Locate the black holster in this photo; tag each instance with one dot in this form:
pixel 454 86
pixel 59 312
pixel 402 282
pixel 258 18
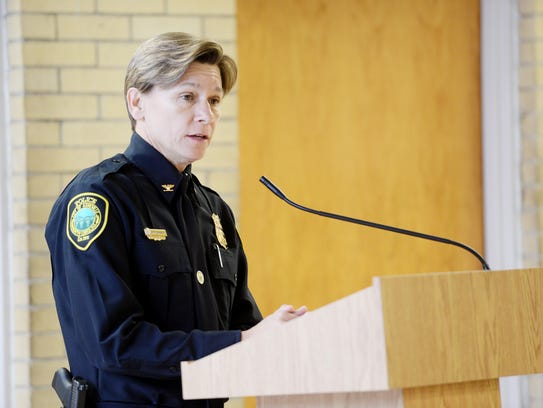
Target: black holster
pixel 72 391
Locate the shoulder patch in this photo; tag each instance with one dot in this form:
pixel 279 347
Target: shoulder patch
pixel 87 219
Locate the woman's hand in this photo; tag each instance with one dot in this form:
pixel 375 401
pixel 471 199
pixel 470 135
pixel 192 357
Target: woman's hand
pixel 280 316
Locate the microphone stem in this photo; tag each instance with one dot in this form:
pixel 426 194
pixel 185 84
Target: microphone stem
pixel 278 192
pixel 392 229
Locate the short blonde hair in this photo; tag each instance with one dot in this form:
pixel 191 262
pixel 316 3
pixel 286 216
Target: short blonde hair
pixel 162 61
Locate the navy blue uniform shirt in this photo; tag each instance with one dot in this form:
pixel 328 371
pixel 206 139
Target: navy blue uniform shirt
pixel 148 271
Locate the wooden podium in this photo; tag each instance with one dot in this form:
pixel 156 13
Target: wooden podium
pixel 427 340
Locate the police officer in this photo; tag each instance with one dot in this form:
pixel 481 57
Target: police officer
pixel 148 269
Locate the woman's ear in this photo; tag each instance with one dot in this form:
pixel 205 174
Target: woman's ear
pixel 134 102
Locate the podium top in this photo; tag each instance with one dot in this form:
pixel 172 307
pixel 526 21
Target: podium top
pixel 403 331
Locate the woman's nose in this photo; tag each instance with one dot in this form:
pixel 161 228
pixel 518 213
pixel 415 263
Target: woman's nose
pixel 204 113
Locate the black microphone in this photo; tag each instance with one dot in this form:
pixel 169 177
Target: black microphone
pixel 283 197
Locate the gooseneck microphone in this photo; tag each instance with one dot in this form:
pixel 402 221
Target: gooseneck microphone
pixel 283 197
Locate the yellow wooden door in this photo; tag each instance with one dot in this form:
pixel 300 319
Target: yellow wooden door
pixel 365 108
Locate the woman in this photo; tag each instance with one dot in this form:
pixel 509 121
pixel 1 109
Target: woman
pixel 148 268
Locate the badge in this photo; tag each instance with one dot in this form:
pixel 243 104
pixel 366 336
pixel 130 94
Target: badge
pixel 168 188
pixel 219 231
pixel 155 234
pixel 87 219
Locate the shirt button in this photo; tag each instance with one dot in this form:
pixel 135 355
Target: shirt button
pixel 200 277
pixel 161 268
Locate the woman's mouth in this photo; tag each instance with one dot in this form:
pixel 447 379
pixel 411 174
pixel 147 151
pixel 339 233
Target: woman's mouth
pixel 198 136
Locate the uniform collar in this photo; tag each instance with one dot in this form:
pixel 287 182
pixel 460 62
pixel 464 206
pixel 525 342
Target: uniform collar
pixel 157 168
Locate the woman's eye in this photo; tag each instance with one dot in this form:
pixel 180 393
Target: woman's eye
pixel 214 101
pixel 187 97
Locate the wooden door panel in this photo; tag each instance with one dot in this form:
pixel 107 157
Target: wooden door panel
pixel 366 108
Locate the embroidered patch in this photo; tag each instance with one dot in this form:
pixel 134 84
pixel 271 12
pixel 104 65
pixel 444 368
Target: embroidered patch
pixel 87 219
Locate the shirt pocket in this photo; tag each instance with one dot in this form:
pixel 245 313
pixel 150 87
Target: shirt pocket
pixel 224 271
pixel 163 282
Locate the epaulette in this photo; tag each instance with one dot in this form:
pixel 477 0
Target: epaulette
pixel 112 165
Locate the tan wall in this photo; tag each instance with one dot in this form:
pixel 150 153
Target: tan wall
pixel 531 115
pixel 66 71
pixel 531 110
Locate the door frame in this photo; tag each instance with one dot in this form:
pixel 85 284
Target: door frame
pixel 501 149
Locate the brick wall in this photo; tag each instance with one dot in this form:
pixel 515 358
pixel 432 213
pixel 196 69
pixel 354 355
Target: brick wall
pixel 67 60
pixel 531 111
